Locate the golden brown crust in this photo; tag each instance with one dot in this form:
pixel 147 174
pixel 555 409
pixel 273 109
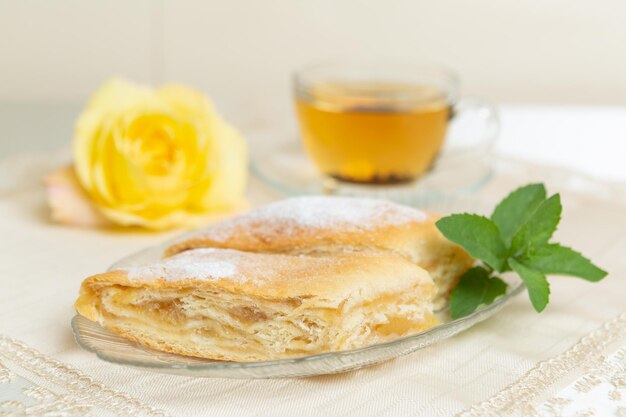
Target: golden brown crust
pixel 271 275
pixel 280 228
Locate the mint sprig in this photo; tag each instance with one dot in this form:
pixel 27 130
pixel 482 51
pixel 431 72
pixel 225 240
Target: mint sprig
pixel 476 288
pixel 515 238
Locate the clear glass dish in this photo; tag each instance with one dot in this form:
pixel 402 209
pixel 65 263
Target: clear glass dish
pixel 116 349
pixel 507 173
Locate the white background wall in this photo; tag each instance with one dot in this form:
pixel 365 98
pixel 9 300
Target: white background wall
pixel 241 52
pixel 557 51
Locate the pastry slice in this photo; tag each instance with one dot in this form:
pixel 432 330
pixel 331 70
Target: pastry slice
pixel 330 225
pixel 241 306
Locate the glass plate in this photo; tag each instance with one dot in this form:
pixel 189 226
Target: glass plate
pixel 114 348
pixel 507 173
pixel 283 165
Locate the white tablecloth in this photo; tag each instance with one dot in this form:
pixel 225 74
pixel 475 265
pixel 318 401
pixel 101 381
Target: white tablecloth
pixel 516 362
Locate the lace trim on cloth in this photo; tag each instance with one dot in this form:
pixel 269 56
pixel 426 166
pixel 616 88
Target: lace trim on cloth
pixel 601 392
pixel 32 384
pixel 601 374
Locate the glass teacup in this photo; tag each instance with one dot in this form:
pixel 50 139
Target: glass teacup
pixel 380 123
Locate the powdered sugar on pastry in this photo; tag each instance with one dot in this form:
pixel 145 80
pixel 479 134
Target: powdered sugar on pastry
pixel 202 264
pixel 322 212
pixel 267 271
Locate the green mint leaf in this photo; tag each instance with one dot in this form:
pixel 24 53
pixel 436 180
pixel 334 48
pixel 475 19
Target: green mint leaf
pixel 557 259
pixel 514 210
pixel 475 287
pixel 539 226
pixel 536 282
pixel 478 235
pixel 495 288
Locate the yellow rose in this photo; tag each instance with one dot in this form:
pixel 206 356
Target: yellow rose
pixel 157 158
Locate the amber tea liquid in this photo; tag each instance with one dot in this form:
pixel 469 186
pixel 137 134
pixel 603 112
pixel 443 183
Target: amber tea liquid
pixel 373 132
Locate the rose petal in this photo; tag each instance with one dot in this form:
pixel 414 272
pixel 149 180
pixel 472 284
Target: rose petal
pixel 69 204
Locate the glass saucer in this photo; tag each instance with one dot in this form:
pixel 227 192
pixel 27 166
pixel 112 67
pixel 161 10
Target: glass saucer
pixel 284 166
pixel 116 349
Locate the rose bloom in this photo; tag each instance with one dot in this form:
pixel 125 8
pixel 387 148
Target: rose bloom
pixel 157 158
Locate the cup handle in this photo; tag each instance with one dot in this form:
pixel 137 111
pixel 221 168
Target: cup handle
pixel 486 124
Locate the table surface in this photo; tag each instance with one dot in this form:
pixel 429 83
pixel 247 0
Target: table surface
pixel 42 265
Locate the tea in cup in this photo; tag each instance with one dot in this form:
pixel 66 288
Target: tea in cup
pixel 377 123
